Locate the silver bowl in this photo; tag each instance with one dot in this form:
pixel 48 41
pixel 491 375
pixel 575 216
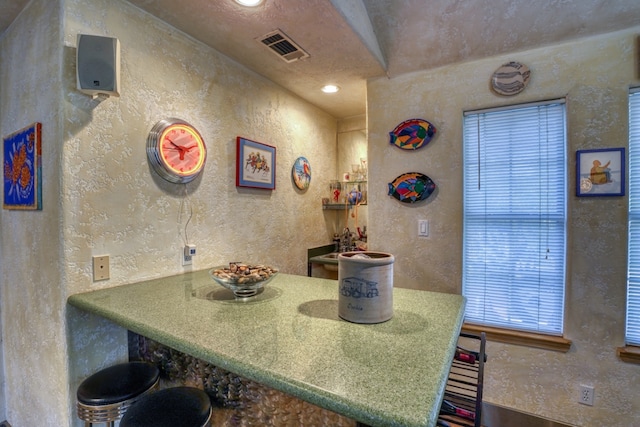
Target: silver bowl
pixel 243 279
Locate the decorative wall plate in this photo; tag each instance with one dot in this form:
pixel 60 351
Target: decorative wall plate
pixel 411 187
pixel 510 79
pixel 412 134
pixel 301 173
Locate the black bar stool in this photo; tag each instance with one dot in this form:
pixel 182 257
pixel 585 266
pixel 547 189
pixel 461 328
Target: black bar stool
pixel 106 395
pixel 171 407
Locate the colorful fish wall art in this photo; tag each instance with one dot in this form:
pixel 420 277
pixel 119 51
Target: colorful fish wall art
pixel 411 187
pixel 412 134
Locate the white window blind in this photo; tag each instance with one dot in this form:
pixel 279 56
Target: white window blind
pixel 515 217
pixel 633 265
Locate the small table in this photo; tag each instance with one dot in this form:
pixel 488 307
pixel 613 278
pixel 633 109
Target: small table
pixel 290 337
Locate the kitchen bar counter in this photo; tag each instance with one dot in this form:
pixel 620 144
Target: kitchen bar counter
pixel 290 338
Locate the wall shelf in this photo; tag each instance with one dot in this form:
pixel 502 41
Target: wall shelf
pixel 346 187
pixel 337 206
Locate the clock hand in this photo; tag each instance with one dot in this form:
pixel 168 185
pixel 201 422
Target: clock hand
pixel 174 144
pixel 181 149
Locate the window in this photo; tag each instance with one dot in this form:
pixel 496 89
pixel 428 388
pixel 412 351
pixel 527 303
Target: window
pixel 515 217
pixel 632 335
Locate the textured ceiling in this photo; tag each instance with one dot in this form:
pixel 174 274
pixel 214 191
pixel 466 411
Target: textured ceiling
pixel 352 40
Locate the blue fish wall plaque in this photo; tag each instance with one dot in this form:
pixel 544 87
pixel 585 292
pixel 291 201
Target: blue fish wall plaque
pixel 412 134
pixel 411 187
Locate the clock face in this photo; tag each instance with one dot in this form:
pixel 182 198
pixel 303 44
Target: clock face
pixel 176 150
pixel 182 148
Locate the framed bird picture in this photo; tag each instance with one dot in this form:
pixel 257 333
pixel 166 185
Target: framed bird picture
pixel 256 164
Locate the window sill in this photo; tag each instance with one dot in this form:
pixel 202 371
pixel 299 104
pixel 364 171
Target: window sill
pixel 528 339
pixel 629 354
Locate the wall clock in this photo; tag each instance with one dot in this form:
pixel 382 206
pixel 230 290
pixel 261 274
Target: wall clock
pixel 176 150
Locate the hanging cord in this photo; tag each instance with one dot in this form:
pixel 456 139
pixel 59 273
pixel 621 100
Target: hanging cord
pixel 479 154
pixel 346 208
pixel 185 203
pixel 547 181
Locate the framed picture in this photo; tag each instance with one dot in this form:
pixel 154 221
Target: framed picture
pixel 256 164
pixel 23 169
pixel 600 172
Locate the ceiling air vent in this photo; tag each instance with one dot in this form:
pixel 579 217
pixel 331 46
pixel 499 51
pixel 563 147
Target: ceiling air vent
pixel 283 46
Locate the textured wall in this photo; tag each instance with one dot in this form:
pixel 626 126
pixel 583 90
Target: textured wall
pixel 32 295
pixel 594 75
pixel 352 146
pixel 116 205
pixel 100 196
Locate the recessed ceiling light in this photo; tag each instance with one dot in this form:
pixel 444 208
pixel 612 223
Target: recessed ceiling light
pixel 330 88
pixel 249 3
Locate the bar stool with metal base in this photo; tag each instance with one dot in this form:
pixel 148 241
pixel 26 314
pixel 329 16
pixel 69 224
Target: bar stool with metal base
pixel 106 395
pixel 171 407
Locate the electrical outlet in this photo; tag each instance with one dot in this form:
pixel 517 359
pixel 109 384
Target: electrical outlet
pixel 100 268
pixel 188 254
pixel 586 395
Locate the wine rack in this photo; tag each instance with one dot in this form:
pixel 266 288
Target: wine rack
pixel 462 404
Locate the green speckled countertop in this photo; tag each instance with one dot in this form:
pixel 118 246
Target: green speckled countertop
pixel 290 338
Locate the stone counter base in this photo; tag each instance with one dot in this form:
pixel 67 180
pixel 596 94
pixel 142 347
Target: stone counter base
pixel 238 401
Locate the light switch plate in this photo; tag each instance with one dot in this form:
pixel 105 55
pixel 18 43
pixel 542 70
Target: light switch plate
pixel 423 228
